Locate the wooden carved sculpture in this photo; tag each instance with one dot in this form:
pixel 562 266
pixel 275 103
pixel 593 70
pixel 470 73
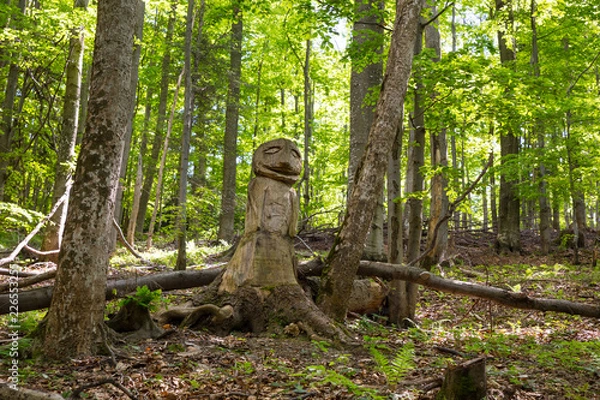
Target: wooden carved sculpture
pixel 265 255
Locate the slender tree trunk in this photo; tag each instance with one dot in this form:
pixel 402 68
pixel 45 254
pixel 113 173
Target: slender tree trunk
pixel 202 103
pixel 227 217
pixel 414 185
pixel 455 181
pixel 139 29
pixel 544 204
pixel 75 319
pixel 509 235
pixel 395 228
pixel 68 137
pixel 160 121
pixel 186 137
pixel 344 257
pixel 308 130
pixel 6 123
pixel 439 160
pixel 364 82
pixel 163 161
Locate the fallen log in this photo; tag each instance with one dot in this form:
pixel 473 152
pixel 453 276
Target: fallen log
pixel 37 299
pixel 40 298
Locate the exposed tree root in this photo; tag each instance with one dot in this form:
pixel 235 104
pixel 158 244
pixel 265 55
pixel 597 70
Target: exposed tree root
pixel 26 394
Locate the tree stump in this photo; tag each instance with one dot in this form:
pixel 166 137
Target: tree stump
pixel 135 322
pixel 466 381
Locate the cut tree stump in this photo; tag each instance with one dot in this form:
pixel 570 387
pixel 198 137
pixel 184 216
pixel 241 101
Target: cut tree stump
pixel 466 381
pixel 135 322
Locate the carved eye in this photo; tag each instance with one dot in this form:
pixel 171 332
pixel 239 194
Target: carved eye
pixel 296 153
pixel 273 150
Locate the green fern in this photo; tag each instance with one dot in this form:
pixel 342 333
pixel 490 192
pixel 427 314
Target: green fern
pixel 144 297
pixel 394 369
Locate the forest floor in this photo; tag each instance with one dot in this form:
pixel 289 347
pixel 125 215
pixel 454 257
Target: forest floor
pixel 530 355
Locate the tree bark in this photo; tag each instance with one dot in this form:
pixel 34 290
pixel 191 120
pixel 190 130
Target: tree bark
pixel 163 161
pixel 545 226
pixel 439 161
pixel 509 234
pixel 76 315
pixel 6 124
pixel 186 137
pixel 308 128
pixel 395 228
pixel 139 29
pixel 66 148
pixel 344 257
pixel 160 120
pixel 414 186
pixel 365 81
pixel 227 217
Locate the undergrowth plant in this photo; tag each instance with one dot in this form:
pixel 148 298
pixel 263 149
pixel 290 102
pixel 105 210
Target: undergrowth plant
pixel 145 298
pixel 397 367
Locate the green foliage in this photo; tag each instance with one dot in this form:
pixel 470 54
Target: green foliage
pixel 16 218
pixel 395 368
pixel 144 297
pixel 328 376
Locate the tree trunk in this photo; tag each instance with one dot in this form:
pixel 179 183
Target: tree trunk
pixel 160 121
pixel 186 137
pixel 308 127
pixel 6 127
pixel 545 227
pixel 227 217
pixel 414 185
pixel 139 29
pixel 76 316
pixel 365 81
pixel 66 148
pixel 439 161
pixel 395 228
pixel 509 234
pixel 344 257
pixel 163 161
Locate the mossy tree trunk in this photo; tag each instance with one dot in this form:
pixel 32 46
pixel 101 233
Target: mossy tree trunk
pixel 76 316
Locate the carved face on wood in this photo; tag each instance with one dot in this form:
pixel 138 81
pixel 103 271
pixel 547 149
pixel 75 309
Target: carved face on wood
pixel 278 159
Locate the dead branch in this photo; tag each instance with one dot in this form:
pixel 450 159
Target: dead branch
pixel 112 381
pixel 40 253
pixel 125 242
pixel 8 272
pixel 31 280
pixel 34 232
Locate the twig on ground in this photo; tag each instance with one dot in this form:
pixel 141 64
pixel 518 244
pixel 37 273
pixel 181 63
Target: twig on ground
pixel 112 381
